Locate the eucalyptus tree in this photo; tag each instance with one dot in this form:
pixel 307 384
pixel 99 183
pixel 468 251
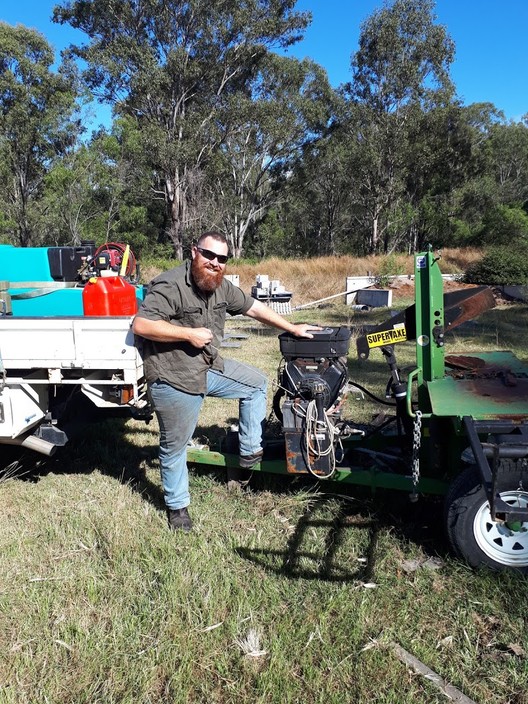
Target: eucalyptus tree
pixel 439 160
pixel 473 178
pixel 171 67
pixel 68 197
pixel 400 72
pixel 95 192
pixel 509 161
pixel 319 205
pixel 37 125
pixel 495 201
pixel 264 132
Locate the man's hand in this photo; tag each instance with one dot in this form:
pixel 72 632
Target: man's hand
pixel 199 337
pixel 302 330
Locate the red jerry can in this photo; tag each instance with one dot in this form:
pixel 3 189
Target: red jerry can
pixel 109 295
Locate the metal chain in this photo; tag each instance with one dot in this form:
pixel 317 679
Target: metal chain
pixel 415 463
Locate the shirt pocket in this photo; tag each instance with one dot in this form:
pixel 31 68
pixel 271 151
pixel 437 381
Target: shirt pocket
pixel 192 317
pixel 219 313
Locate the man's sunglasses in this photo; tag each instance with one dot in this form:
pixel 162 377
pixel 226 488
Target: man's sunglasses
pixel 222 258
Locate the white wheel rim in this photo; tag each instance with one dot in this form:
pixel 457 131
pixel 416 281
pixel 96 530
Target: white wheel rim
pixel 497 540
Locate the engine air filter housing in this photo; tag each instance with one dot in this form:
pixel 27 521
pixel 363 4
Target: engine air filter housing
pixel 328 342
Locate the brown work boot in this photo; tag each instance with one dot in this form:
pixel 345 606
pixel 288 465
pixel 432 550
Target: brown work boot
pixel 179 519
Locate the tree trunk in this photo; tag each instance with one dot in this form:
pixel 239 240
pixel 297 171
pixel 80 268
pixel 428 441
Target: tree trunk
pixel 176 206
pixel 374 241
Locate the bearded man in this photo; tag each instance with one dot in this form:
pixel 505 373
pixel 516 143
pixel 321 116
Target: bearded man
pixel 181 321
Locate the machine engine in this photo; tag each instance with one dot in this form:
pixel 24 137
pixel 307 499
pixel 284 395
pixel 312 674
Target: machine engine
pixel 313 377
pixel 85 261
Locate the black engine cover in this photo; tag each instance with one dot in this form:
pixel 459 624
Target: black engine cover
pixel 328 342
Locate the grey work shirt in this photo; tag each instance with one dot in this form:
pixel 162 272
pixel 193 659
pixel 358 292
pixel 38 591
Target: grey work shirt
pixel 174 297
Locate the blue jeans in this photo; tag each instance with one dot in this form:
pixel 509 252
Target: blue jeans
pixel 177 414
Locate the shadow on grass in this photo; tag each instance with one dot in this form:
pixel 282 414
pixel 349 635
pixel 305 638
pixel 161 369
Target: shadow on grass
pixel 113 447
pixel 299 560
pixel 369 516
pixel 129 453
pixel 106 446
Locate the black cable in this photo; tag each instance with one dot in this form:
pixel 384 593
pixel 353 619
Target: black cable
pixel 370 394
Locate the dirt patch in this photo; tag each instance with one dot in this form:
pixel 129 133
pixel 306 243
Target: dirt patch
pixel 405 289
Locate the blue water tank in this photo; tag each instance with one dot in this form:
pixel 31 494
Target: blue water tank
pixel 24 263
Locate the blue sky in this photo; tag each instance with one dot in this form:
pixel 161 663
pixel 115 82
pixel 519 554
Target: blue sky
pixel 491 63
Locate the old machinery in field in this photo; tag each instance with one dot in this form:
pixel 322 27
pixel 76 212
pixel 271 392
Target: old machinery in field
pixel 457 426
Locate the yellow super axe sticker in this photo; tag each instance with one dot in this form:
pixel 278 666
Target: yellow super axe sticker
pixel 387 337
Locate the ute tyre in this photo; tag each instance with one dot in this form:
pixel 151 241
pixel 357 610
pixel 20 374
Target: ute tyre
pixel 473 535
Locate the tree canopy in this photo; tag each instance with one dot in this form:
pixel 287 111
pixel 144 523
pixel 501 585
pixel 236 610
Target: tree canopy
pixel 216 126
pixel 37 106
pixel 173 68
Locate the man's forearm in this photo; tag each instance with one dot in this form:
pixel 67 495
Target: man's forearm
pixel 159 330
pixel 265 314
pixel 163 331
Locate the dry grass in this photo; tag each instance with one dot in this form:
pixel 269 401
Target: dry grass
pixel 281 594
pixel 310 279
pixel 276 596
pixel 319 277
pixel 458 260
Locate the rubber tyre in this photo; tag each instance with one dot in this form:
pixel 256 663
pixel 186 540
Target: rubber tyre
pixel 473 535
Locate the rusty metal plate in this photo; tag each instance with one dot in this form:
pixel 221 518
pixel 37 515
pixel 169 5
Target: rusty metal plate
pixel 464 362
pixel 459 307
pixel 467 304
pixel 486 386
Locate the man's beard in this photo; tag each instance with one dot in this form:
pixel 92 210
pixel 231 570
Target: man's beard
pixel 206 279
